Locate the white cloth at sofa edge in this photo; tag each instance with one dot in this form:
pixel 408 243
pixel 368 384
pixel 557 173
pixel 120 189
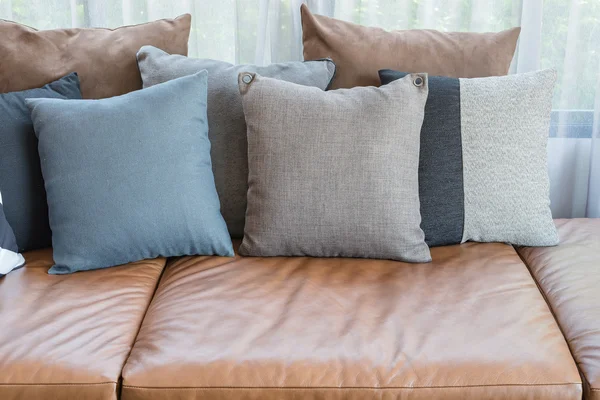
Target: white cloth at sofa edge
pixel 9 260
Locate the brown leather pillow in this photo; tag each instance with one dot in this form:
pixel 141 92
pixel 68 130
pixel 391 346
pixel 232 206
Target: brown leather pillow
pixel 105 59
pixel 359 52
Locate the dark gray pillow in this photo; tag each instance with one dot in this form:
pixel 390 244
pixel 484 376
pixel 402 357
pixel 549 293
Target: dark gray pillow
pixel 483 171
pixel 227 128
pixel 129 177
pixel 20 175
pixel 10 259
pixel 333 174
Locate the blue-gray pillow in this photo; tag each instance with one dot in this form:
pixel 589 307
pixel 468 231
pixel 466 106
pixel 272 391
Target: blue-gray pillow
pixel 129 177
pixel 482 168
pixel 10 259
pixel 20 175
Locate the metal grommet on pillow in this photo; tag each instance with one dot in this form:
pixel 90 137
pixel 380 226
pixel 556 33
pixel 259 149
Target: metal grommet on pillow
pixel 247 78
pixel 418 81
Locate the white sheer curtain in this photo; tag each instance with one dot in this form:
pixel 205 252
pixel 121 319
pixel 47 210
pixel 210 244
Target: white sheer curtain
pixel 563 34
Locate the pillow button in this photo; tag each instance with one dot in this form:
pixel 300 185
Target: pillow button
pixel 418 81
pixel 247 78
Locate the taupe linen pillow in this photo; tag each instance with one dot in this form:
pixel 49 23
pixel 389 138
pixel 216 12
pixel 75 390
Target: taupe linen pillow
pixel 104 59
pixel 333 174
pixel 360 51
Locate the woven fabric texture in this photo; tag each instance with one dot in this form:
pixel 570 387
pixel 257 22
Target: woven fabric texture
pixel 483 169
pixel 441 189
pixel 129 178
pixel 21 178
pixel 333 174
pixel 227 128
pixel 505 123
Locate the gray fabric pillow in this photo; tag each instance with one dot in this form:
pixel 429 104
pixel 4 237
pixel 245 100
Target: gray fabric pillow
pixel 227 129
pixel 129 177
pixel 20 175
pixel 10 259
pixel 483 173
pixel 333 174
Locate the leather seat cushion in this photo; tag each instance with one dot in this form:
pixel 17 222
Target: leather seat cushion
pixel 569 276
pixel 68 336
pixel 470 325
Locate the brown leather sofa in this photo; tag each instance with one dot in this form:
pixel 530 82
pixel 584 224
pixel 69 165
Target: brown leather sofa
pixel 483 321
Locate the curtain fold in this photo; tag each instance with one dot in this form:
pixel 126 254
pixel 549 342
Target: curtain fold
pixel 561 34
pixel 593 200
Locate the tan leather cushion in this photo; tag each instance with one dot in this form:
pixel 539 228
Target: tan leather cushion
pixel 360 51
pixel 569 276
pixel 103 58
pixel 470 325
pixel 67 336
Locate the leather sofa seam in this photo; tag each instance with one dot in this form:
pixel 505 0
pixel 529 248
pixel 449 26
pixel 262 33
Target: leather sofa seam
pixel 58 384
pixel 139 328
pixel 349 388
pixel 539 286
pixel 234 259
pixel 544 297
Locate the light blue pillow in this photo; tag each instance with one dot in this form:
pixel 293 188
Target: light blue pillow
pixel 129 177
